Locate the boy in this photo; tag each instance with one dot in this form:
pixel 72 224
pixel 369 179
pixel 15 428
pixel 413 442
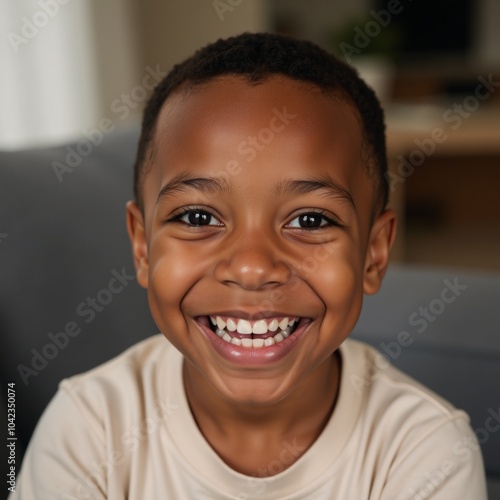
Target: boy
pixel 258 225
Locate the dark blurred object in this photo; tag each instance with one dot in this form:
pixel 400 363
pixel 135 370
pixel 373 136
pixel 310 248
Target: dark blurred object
pixel 430 29
pixel 426 213
pixel 443 83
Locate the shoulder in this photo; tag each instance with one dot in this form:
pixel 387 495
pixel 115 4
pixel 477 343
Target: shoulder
pixel 135 363
pixel 124 388
pixel 373 378
pixel 398 412
pixel 98 418
pixel 414 432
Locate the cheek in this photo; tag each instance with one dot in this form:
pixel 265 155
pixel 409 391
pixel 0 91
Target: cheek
pixel 338 284
pixel 338 281
pixel 172 273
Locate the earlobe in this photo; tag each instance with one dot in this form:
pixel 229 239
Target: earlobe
pixel 137 235
pixel 382 237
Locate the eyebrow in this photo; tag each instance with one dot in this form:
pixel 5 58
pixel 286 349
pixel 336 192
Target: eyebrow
pixel 186 181
pixel 323 184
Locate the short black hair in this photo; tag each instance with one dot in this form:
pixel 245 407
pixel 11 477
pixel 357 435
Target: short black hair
pixel 257 57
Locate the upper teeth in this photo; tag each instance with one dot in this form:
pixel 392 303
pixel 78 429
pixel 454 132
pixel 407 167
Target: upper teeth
pixel 246 327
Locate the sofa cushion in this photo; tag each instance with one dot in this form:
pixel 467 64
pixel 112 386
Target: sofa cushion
pixel 68 295
pixel 442 326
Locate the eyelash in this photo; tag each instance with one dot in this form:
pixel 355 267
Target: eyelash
pixel 329 221
pixel 177 218
pixel 189 210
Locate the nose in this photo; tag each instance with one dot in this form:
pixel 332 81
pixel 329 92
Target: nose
pixel 252 263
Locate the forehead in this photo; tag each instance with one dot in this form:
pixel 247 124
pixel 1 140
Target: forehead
pixel 228 101
pixel 287 124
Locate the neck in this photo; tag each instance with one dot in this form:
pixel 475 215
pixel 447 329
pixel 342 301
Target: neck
pixel 302 414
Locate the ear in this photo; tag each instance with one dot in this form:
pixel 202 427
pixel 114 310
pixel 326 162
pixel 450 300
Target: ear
pixel 137 235
pixel 382 236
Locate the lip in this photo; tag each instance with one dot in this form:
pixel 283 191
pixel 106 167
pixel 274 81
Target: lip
pixel 252 357
pixel 252 316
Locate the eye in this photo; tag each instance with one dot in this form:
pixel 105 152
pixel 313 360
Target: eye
pixel 195 217
pixel 311 220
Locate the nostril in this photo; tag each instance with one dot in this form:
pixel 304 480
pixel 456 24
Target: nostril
pixel 251 269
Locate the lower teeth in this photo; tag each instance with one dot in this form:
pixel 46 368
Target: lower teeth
pixel 256 343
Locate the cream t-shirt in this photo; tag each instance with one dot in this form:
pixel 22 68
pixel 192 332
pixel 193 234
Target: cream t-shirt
pixel 124 430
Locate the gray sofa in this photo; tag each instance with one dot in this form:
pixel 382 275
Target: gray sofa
pixel 63 239
pixel 442 327
pixel 63 242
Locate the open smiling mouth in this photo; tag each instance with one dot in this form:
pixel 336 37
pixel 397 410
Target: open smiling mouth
pixel 254 334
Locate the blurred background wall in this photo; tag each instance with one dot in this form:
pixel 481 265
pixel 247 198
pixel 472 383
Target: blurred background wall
pixel 67 65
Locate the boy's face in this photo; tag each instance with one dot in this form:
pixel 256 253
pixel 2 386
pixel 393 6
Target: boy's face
pixel 278 224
